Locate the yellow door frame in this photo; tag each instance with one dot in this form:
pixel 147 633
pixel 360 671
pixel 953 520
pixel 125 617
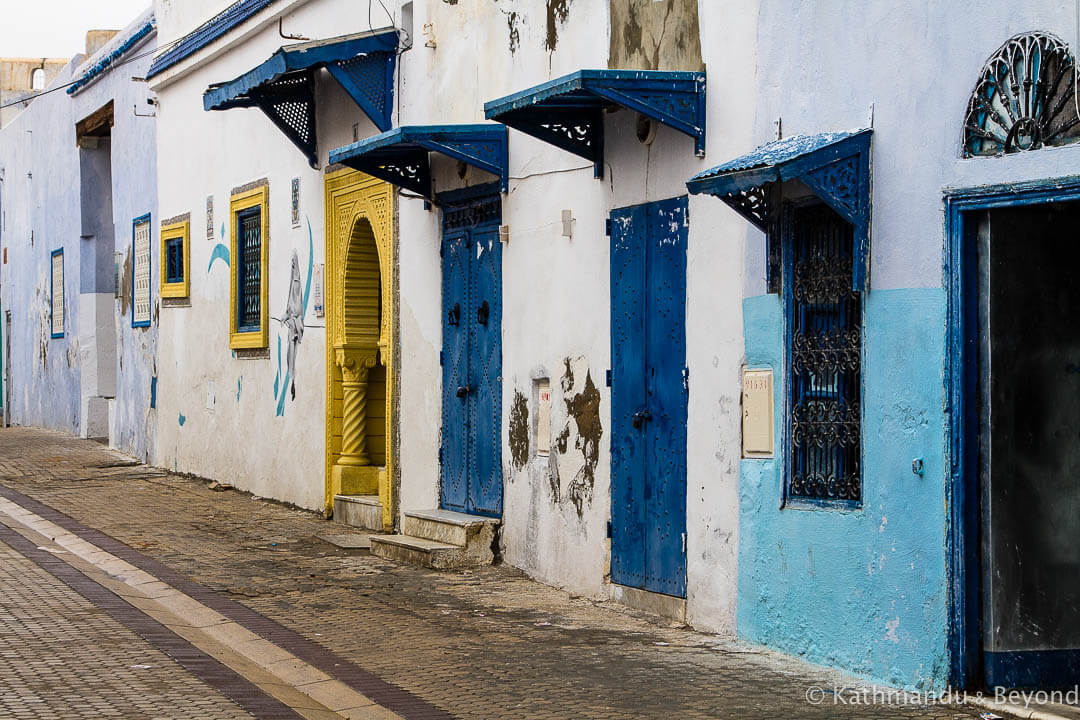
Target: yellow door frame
pixel 352 196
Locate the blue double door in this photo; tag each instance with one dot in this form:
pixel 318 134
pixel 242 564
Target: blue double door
pixel 649 389
pixel 470 451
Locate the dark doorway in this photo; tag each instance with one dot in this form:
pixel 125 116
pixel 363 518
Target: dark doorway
pixel 1029 444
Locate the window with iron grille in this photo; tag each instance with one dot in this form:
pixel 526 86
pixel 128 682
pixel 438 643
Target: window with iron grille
pixel 140 272
pixel 249 219
pixel 175 257
pixel 249 268
pixel 824 319
pixel 56 294
pixel 174 260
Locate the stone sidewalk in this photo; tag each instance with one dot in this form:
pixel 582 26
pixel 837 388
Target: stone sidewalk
pixel 485 643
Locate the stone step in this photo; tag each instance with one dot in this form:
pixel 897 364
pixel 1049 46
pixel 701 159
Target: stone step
pixel 440 539
pixel 449 527
pixel 361 511
pixel 419 551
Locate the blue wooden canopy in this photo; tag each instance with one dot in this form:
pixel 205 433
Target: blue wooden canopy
pixel 569 112
pixel 283 87
pixel 834 166
pixel 400 156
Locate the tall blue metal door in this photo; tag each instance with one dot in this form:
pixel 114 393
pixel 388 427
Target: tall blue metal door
pixel 649 396
pixel 471 453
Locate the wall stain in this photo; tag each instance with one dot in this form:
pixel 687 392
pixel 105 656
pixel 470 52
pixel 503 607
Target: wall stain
pixel 519 431
pixel 584 410
pixel 125 286
pixel 553 480
pixel 515 35
pixel 560 441
pixel 558 12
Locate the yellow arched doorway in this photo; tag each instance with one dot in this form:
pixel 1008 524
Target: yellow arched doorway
pixel 360 377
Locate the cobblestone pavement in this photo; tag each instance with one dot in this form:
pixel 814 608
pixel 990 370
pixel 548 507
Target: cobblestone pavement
pixel 63 657
pixel 485 643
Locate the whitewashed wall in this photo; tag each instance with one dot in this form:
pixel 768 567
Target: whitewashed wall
pixel 223 416
pixel 556 291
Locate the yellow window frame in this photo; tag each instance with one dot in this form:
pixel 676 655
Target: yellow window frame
pixel 172 231
pixel 256 197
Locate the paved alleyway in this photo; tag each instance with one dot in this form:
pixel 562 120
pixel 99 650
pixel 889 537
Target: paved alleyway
pixel 129 592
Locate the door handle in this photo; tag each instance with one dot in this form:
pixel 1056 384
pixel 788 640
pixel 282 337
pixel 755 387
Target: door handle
pixel 641 417
pixel 463 390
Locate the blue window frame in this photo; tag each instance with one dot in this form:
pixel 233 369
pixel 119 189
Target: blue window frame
pixel 57 307
pixel 249 270
pixel 824 343
pixel 174 260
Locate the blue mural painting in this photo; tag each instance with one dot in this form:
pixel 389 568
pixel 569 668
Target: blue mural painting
pixel 292 322
pixel 220 252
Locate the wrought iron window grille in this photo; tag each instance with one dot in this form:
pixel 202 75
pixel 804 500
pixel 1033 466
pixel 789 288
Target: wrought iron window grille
pixel 824 330
pixel 249 310
pixel 174 262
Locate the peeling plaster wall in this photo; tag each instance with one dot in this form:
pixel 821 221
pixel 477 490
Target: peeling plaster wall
pixel 222 415
pixel 44 379
pixel 867 590
pixel 652 35
pixel 43 208
pixel 556 290
pixel 134 172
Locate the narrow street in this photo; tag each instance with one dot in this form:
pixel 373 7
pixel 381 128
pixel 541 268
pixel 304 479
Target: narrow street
pixel 126 591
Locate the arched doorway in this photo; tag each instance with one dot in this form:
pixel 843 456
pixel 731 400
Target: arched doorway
pixel 362 367
pixel 359 432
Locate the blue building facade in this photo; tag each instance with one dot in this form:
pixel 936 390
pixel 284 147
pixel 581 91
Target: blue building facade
pixel 78 172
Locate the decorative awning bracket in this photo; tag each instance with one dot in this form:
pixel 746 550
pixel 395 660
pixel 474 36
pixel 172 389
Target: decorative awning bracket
pixel 283 87
pixel 834 166
pixel 569 112
pixel 400 156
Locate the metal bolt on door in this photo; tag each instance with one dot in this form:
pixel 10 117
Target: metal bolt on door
pixel 649 396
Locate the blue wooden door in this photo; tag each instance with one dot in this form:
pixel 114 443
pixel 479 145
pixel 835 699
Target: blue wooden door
pixel 453 453
pixel 471 453
pixel 649 395
pixel 485 371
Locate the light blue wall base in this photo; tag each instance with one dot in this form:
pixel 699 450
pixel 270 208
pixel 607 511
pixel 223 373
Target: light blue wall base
pixel 865 590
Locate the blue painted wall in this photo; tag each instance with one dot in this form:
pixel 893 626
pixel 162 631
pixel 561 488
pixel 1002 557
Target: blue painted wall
pixel 52 195
pixel 862 590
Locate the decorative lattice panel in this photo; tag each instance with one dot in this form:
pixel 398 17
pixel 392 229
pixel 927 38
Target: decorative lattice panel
pixel 56 309
pixel 1023 99
pixel 140 301
pixel 368 79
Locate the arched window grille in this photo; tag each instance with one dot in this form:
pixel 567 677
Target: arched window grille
pixel 1024 98
pixel 37 79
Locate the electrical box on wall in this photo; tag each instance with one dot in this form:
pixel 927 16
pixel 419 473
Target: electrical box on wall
pixel 543 416
pixel 757 413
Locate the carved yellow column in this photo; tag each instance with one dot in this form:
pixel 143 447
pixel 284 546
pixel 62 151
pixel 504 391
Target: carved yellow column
pixel 353 473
